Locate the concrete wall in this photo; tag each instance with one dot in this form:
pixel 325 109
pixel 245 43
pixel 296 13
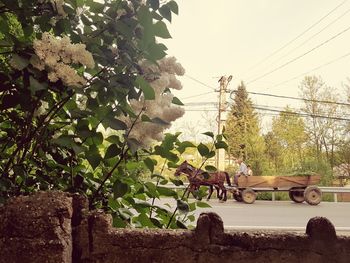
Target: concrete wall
pixel 57 227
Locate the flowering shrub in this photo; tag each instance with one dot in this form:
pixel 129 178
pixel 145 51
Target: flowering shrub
pixel 69 68
pixel 161 108
pixel 56 55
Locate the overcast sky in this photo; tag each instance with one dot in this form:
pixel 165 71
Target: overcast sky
pixel 233 37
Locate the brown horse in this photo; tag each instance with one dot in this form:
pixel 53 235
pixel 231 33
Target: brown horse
pixel 198 177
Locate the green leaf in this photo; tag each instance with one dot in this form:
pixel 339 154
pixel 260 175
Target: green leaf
pixel 145 118
pixel 160 122
pixel 149 163
pixel 153 3
pixel 211 154
pixel 20 62
pixel 97 138
pixel 146 88
pixel 191 218
pixel 120 189
pixel 4 43
pixel 166 191
pixel 112 151
pixel 118 222
pixel 176 182
pixel 144 220
pixel 203 150
pixel 78 149
pixel 133 144
pixel 114 204
pixel 113 139
pixel 219 137
pixel 144 16
pixel 156 51
pixel 177 101
pixel 202 204
pixel 173 7
pixel 80 3
pixel 165 12
pixel 95 7
pixel 4 26
pixel 151 190
pixel 63 140
pixel 180 224
pixel 210 134
pixel 210 168
pixel 93 156
pixel 161 30
pixel 182 206
pixel 221 145
pixel 114 124
pixel 168 142
pixel 156 222
pixel 125 213
pixel 183 145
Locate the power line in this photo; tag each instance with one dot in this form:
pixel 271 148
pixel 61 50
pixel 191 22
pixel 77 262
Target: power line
pixel 296 98
pixel 280 96
pixel 300 56
pixel 299 114
pixel 278 109
pixel 311 70
pixel 314 35
pixel 203 110
pixel 200 82
pixel 201 103
pixel 304 114
pixel 298 36
pixel 198 95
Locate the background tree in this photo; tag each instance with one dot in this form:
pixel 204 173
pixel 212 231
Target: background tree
pixel 273 152
pixel 243 131
pixel 288 132
pixel 323 129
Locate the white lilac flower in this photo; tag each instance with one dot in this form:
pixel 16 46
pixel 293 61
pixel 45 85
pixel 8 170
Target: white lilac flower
pixel 56 54
pixel 161 107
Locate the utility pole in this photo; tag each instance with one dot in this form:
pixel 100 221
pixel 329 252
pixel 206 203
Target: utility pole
pixel 220 155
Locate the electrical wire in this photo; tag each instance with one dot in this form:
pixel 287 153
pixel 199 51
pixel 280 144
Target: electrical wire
pixel 277 96
pixel 198 95
pixel 300 56
pixel 304 114
pixel 201 103
pixel 200 82
pixel 298 36
pixel 295 98
pixel 311 70
pixel 308 39
pixel 299 114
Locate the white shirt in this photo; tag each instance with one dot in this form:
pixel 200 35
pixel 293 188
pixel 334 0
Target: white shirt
pixel 243 169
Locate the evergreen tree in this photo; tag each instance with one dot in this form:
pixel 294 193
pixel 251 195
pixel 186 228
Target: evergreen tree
pixel 243 130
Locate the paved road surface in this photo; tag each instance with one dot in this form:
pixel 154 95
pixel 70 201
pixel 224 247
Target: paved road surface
pixel 277 215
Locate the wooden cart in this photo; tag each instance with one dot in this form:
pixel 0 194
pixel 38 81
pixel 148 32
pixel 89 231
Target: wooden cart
pixel 301 188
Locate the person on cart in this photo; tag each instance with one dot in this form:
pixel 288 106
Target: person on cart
pixel 242 170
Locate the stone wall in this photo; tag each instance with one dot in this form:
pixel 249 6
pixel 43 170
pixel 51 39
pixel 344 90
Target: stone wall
pixel 57 227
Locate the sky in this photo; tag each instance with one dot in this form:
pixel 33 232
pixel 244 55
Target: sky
pixel 251 38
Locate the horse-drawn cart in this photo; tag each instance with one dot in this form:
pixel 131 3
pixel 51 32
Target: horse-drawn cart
pixel 300 188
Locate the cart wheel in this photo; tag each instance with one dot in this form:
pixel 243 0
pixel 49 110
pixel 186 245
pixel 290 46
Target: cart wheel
pixel 238 197
pixel 248 196
pixel 297 195
pixel 313 195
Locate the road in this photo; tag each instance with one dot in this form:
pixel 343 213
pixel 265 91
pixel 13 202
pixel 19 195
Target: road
pixel 278 215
